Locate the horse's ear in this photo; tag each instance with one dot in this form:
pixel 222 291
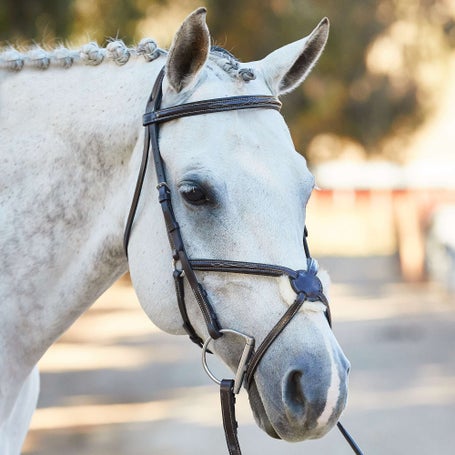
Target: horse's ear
pixel 189 51
pixel 287 67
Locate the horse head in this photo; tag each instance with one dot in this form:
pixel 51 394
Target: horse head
pixel 239 191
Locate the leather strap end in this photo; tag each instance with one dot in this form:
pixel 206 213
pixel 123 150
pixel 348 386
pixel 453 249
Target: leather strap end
pixel 230 425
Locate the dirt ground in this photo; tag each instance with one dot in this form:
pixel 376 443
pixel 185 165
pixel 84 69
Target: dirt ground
pixel 115 385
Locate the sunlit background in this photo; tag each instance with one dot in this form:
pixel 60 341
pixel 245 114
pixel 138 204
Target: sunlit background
pixel 376 122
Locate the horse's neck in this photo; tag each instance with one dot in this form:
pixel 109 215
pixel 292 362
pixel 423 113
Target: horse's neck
pixel 67 141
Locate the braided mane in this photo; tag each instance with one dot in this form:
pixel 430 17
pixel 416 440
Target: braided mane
pixel 117 51
pixel 89 54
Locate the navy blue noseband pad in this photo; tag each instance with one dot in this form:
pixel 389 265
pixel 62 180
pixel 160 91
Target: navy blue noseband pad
pixel 306 282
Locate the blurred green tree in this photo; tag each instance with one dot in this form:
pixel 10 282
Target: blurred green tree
pixel 45 21
pixel 25 20
pixel 347 94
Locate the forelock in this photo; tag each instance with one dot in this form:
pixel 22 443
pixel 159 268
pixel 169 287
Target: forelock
pixel 230 64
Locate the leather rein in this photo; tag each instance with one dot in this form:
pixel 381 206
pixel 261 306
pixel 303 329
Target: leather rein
pixel 305 283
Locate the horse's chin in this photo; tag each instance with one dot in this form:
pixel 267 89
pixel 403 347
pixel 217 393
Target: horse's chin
pixel 259 412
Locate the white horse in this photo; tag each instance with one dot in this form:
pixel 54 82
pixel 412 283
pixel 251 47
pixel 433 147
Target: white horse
pixel 71 144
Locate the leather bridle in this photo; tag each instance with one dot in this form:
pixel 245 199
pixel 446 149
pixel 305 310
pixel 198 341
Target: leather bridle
pixel 305 283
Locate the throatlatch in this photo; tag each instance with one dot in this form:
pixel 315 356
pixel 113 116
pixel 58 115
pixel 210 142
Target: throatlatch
pixel 305 283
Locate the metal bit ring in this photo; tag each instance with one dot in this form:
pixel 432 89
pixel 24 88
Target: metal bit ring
pixel 243 363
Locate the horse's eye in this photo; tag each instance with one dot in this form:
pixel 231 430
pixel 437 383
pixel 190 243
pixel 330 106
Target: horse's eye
pixel 194 194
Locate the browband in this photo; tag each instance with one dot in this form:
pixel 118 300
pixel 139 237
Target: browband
pixel 211 106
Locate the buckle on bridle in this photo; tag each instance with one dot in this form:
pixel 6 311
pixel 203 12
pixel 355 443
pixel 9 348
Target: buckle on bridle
pixel 177 266
pixel 243 363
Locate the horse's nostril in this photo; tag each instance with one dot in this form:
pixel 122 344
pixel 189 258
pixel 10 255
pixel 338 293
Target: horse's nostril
pixel 305 397
pixel 293 393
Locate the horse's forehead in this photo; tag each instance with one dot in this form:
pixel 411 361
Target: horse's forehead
pixel 229 144
pixel 252 146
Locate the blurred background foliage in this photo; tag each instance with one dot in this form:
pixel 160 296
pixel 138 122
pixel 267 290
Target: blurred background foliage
pixel 375 84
